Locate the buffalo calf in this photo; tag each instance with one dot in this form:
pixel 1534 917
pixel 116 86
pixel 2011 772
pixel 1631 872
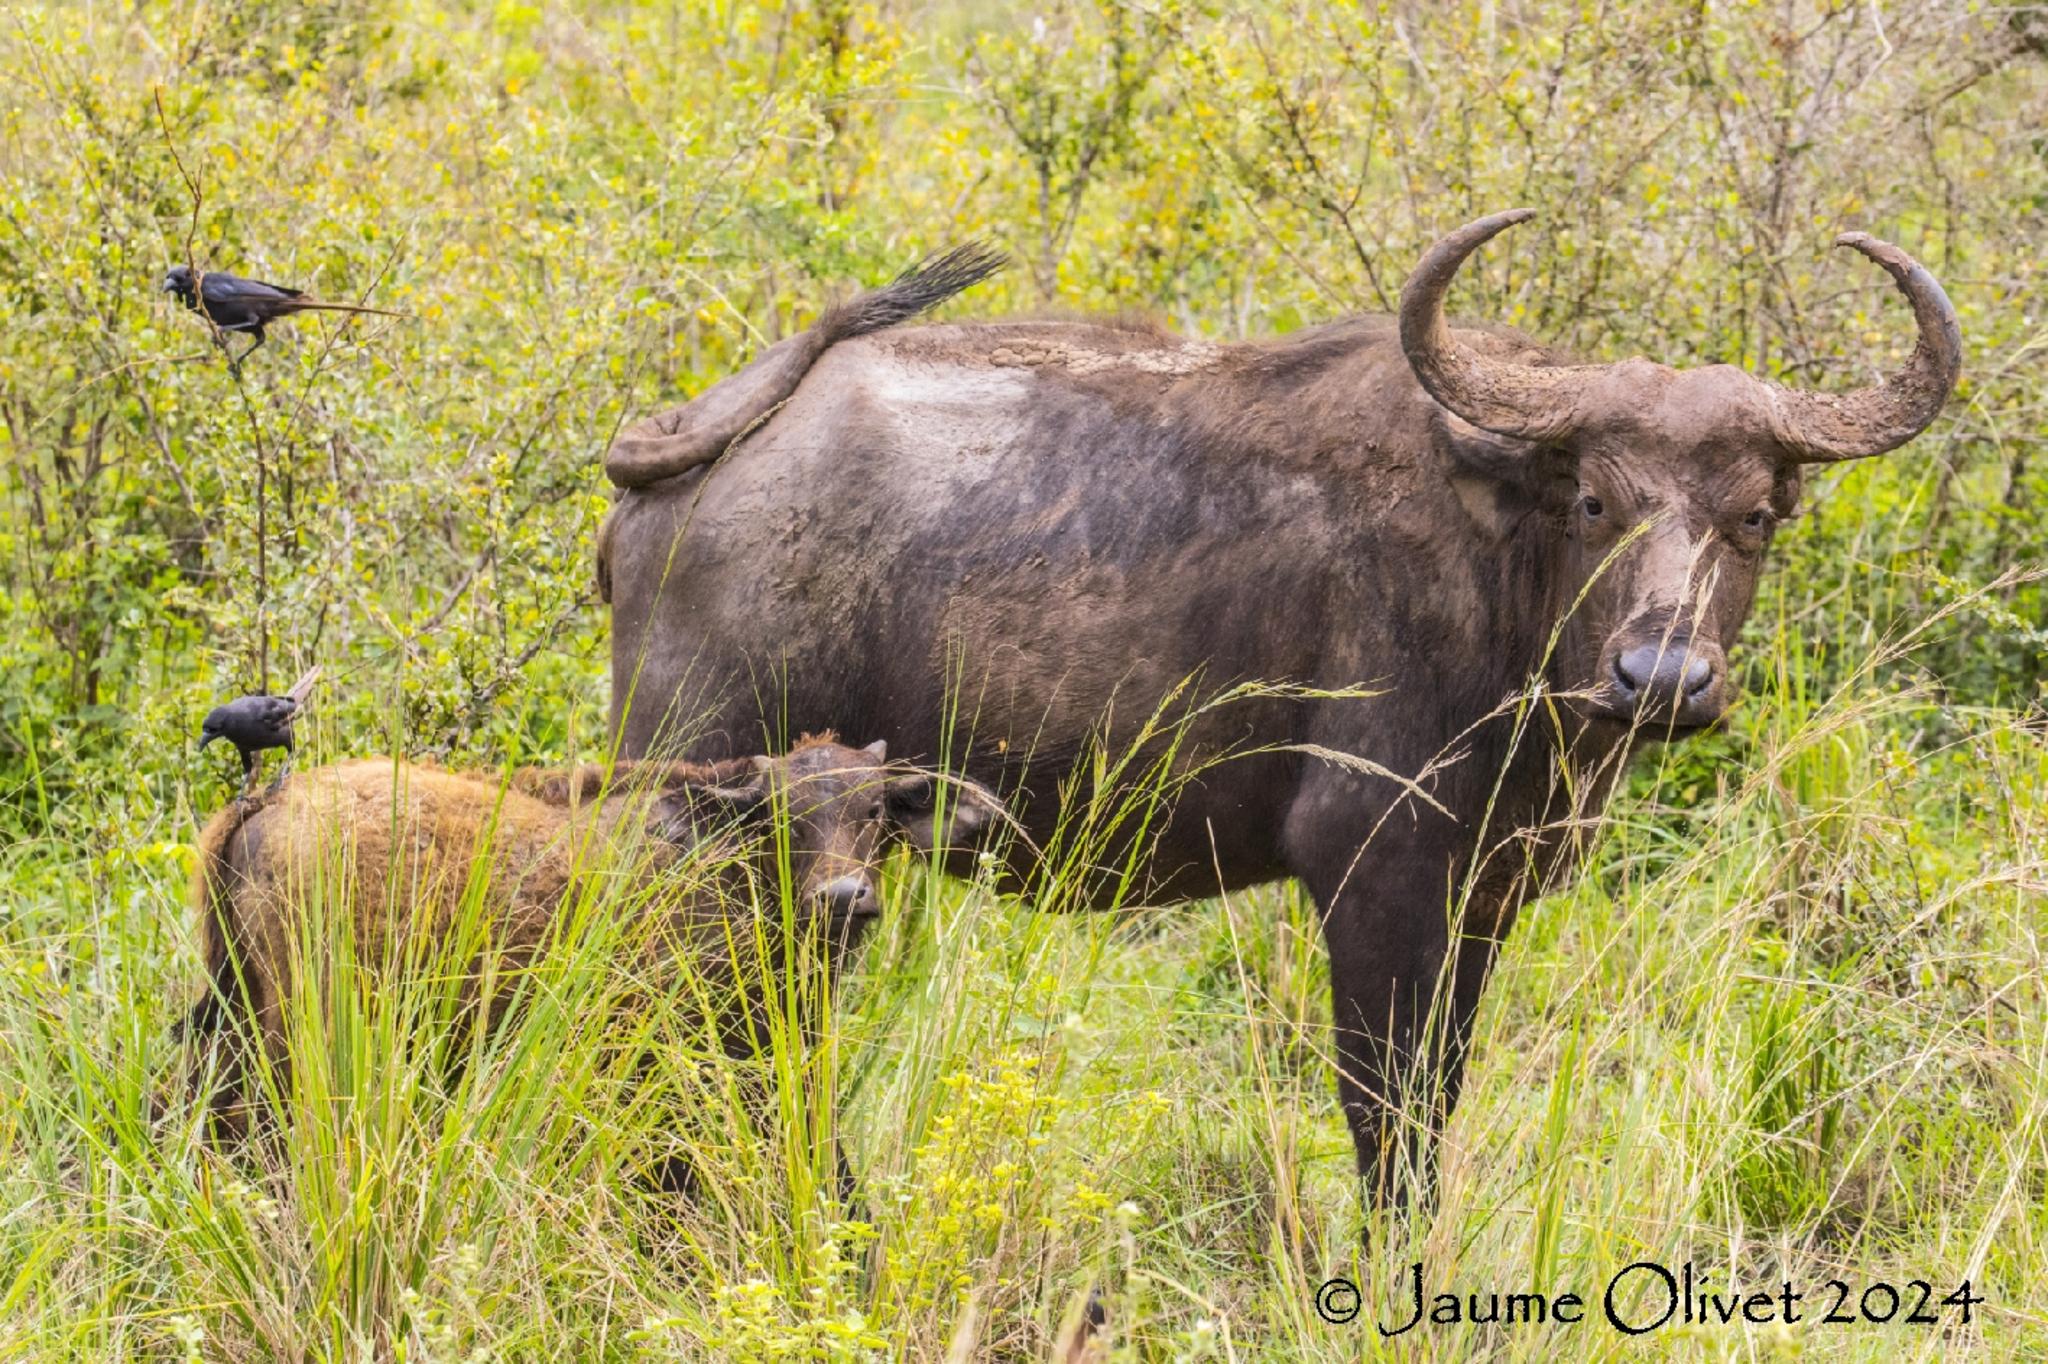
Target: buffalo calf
pixel 445 867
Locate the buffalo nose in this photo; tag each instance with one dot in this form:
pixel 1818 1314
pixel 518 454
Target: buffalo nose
pixel 1676 674
pixel 848 897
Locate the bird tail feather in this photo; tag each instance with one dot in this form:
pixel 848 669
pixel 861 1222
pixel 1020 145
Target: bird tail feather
pixel 311 305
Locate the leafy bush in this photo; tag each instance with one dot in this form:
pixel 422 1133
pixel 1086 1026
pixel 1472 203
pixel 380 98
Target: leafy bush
pixel 1790 1024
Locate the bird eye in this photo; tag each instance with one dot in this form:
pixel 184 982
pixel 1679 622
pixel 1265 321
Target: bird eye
pixel 1590 505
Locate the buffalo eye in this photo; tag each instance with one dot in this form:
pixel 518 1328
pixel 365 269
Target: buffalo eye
pixel 1756 520
pixel 1590 505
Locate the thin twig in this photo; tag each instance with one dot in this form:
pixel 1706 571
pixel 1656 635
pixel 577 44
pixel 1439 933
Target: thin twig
pixel 248 405
pixel 198 198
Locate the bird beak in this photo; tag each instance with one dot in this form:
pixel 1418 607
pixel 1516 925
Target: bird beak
pixel 207 739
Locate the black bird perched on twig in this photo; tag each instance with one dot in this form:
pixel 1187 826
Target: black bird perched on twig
pixel 235 304
pixel 255 723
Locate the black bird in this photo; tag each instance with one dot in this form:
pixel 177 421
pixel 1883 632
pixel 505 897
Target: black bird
pixel 247 305
pixel 255 723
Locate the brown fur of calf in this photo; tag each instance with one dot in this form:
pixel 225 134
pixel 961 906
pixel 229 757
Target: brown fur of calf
pixel 399 843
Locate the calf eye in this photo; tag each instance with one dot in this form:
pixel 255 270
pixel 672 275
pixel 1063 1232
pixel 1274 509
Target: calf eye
pixel 1590 505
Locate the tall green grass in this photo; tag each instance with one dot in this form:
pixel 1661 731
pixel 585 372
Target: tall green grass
pixel 1789 1024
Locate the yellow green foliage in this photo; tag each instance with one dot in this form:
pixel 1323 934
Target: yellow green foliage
pixel 1791 1023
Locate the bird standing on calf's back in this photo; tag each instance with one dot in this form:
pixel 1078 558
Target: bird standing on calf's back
pixel 234 304
pixel 255 723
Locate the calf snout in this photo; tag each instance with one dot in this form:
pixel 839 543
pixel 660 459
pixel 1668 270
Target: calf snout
pixel 849 897
pixel 1676 681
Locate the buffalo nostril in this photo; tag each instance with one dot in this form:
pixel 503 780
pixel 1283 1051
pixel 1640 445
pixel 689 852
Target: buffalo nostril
pixel 849 895
pixel 1635 668
pixel 1699 675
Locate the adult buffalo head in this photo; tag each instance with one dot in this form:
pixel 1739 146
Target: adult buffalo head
pixel 1670 481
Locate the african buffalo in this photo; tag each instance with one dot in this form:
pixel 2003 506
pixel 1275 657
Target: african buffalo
pixel 424 858
pixel 974 538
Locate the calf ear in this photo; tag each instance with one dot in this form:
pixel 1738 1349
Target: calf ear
pixel 735 790
pixel 560 785
pixel 930 811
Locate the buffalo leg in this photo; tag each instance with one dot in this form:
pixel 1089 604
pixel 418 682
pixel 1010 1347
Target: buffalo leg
pixel 1405 989
pixel 849 1184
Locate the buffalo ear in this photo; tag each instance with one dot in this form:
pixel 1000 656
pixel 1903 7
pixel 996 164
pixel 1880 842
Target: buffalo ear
pixel 1785 490
pixel 914 802
pixel 1496 476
